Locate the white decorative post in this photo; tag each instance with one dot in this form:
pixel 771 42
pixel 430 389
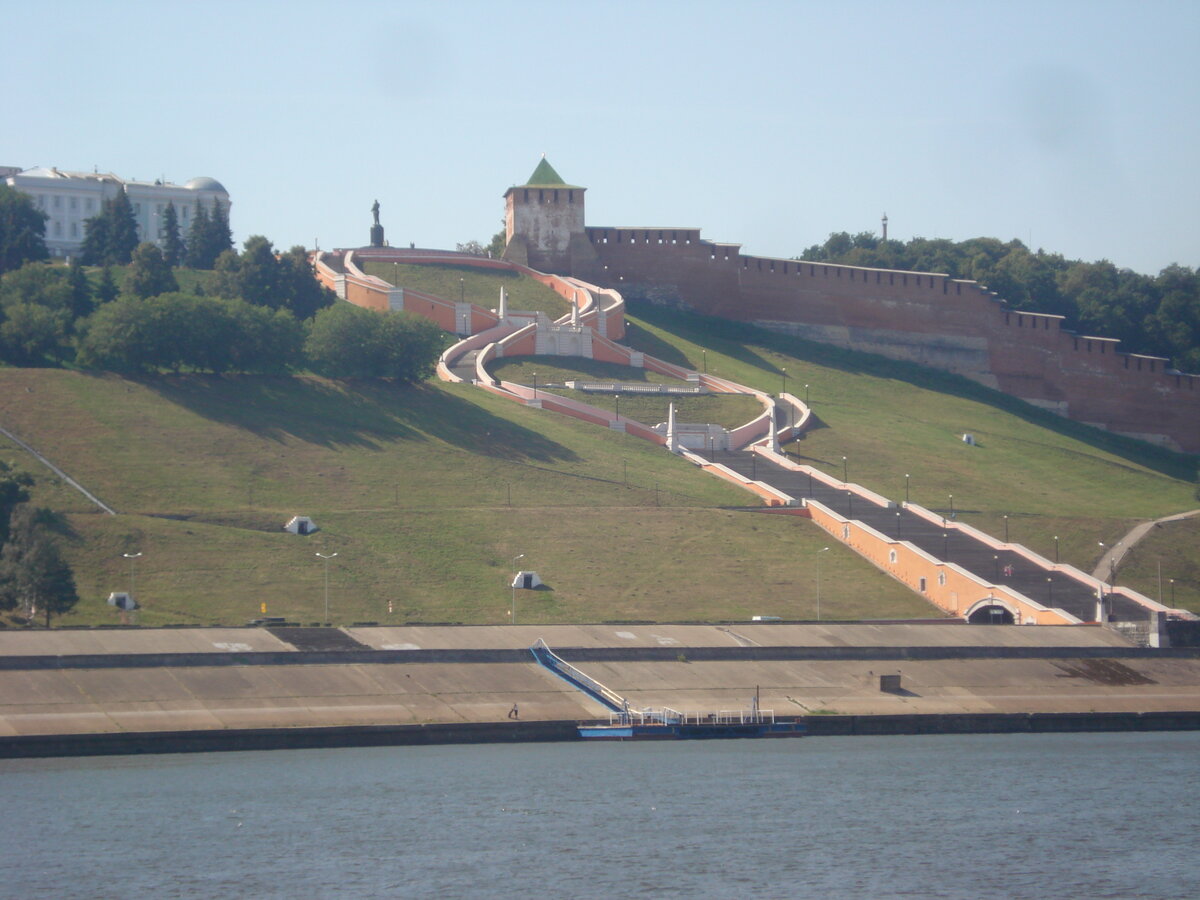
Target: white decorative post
pixel 502 312
pixel 672 440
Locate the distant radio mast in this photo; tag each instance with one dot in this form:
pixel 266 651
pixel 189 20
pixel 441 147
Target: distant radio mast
pixel 885 226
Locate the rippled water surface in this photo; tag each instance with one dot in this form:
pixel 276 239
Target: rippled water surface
pixel 1004 816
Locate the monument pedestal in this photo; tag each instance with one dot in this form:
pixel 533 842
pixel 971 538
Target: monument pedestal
pixel 377 236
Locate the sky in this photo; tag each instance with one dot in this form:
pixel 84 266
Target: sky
pixel 1072 127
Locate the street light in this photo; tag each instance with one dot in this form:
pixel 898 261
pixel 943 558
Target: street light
pixel 131 557
pixel 783 389
pixel 1056 549
pixel 513 613
pixel 618 406
pixel 906 488
pixel 845 477
pixel 819 552
pixel 952 506
pixel 535 385
pixel 704 356
pixel 1006 528
pixel 327 559
pixel 806 395
pixel 462 291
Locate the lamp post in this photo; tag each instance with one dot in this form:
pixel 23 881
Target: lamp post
pixel 462 291
pixel 513 612
pixel 845 477
pixel 819 552
pixel 806 395
pixel 466 324
pixel 952 506
pixel 1171 581
pixel 783 389
pixel 1006 528
pixel 1056 549
pixel 327 559
pixel 945 547
pixel 704 356
pixel 618 406
pixel 535 385
pixel 995 567
pixel 899 524
pixel 1049 591
pixel 906 488
pixel 132 581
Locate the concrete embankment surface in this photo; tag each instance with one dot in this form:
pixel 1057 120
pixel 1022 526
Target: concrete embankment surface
pixel 412 684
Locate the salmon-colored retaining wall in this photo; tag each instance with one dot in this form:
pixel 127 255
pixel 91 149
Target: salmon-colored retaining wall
pixel 944 584
pixel 929 318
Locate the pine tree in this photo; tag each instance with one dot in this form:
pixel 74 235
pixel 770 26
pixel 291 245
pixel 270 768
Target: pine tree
pixel 106 290
pixel 220 236
pixel 123 232
pixel 198 239
pixel 173 247
pixel 110 236
pixel 95 239
pixel 82 304
pixel 33 573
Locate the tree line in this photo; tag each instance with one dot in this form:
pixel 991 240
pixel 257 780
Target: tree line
pixel 257 311
pixel 1158 315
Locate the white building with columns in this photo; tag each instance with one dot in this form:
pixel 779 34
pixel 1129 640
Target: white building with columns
pixel 71 198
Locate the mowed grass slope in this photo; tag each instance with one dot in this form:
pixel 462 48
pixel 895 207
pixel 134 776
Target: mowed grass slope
pixel 428 493
pixel 1051 477
pixel 478 286
pixel 412 489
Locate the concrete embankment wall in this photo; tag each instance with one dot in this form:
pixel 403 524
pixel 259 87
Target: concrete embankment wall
pixel 126 744
pixel 68 692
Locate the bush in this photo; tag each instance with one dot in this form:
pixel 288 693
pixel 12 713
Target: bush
pixel 347 341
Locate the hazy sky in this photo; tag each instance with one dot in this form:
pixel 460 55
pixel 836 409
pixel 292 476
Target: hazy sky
pixel 1073 126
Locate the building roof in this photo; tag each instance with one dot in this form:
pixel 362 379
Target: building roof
pixel 204 183
pixel 545 176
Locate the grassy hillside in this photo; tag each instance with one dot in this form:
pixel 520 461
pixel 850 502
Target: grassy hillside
pixel 428 493
pixel 412 488
pixel 478 286
pixel 1050 476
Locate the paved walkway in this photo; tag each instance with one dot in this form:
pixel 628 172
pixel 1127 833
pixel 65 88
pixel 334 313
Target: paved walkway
pixel 1050 588
pixel 1111 560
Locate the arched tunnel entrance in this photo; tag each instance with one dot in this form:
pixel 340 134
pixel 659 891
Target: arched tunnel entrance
pixel 990 614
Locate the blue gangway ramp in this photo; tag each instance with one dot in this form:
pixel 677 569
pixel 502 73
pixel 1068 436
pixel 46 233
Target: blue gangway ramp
pixel 608 698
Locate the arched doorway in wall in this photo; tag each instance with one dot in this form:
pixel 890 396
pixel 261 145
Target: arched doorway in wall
pixel 990 611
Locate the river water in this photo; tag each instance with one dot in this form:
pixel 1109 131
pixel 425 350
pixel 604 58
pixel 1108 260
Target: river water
pixel 965 816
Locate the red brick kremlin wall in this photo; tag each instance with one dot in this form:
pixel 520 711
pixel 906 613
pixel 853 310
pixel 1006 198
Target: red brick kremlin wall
pixel 950 324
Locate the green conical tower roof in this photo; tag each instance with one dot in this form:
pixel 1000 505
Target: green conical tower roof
pixel 545 176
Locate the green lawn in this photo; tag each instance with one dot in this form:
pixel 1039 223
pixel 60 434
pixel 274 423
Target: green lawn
pixel 726 410
pixel 1051 477
pixel 427 493
pixel 478 286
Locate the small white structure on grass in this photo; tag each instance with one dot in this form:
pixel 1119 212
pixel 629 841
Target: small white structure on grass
pixel 301 525
pixel 969 440
pixel 527 581
pixel 122 601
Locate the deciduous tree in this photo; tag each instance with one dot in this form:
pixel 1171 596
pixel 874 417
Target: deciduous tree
pixel 22 230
